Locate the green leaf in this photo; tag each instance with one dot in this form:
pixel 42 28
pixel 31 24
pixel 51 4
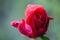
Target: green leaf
pixel 44 38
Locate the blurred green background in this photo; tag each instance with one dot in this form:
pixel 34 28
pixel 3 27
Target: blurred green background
pixel 14 10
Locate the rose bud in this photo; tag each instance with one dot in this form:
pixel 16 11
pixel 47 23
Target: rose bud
pixel 36 23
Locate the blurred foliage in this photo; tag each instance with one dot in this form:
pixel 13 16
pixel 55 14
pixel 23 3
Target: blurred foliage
pixel 14 10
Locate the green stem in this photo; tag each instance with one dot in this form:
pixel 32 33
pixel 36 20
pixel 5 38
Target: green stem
pixel 45 38
pixel 42 37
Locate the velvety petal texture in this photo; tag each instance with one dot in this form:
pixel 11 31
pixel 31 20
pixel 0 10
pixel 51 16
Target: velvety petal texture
pixel 36 23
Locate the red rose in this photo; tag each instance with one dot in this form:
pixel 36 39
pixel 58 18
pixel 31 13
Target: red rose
pixel 36 22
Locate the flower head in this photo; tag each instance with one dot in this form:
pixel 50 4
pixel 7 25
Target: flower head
pixel 36 23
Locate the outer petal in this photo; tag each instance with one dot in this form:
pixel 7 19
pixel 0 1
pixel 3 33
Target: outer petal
pixel 15 23
pixel 26 30
pixel 51 18
pixel 31 8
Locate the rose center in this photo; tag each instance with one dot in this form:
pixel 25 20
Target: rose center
pixel 39 21
pixel 37 16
